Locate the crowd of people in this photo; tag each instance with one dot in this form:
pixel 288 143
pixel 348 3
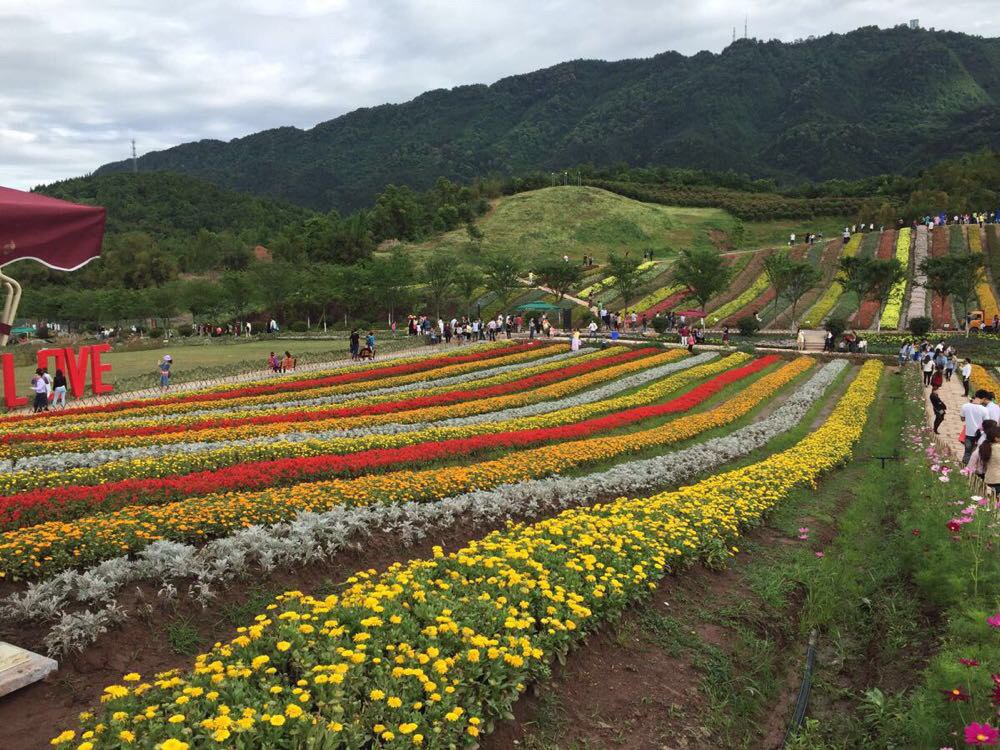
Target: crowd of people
pixel 49 391
pixel 467 329
pixel 980 415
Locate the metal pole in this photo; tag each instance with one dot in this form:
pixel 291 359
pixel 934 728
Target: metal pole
pixel 9 307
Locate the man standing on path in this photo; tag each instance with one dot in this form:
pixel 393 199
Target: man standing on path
pixel 966 376
pixel 972 415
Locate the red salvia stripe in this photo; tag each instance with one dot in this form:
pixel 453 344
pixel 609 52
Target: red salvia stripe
pixel 52 503
pixel 285 385
pixel 388 407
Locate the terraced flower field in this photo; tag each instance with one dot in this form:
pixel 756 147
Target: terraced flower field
pixel 575 480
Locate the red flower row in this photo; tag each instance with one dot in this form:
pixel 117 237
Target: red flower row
pixel 440 399
pixel 286 385
pixel 667 304
pixel 869 308
pixel 68 502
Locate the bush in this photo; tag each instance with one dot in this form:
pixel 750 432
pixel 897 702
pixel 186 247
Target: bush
pixel 185 330
pixel 920 326
pixel 659 324
pixel 298 326
pixel 748 325
pixel 836 326
pixel 156 333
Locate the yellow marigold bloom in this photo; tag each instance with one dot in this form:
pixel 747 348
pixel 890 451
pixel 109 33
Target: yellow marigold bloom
pixel 293 711
pixel 176 719
pixel 277 720
pixel 283 645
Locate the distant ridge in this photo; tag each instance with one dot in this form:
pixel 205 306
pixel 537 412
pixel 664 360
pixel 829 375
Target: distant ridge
pixel 840 106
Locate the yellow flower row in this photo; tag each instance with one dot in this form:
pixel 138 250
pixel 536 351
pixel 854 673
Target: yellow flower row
pixel 311 424
pixel 749 295
pixel 184 463
pixel 55 545
pixel 894 303
pixel 436 647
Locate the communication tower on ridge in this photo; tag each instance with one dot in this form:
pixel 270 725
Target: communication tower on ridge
pixel 135 160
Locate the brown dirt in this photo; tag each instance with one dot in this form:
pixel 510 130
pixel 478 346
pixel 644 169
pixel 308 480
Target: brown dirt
pixel 720 239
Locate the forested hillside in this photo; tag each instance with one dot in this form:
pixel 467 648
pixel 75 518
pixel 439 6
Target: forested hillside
pixel 840 106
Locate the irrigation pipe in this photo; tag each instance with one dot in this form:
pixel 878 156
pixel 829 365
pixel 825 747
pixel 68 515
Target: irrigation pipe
pixel 802 701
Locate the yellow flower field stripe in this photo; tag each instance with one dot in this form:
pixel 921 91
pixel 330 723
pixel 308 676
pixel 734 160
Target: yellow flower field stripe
pixel 55 545
pixel 438 648
pixel 184 463
pixel 894 303
pixel 756 289
pixel 426 414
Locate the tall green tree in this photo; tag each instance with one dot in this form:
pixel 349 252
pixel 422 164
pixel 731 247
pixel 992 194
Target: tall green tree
pixel 558 275
pixel 391 280
pixel 871 279
pixel 468 281
pixel 503 276
pixel 439 274
pixel 702 271
pixel 776 268
pixel 800 277
pixel 238 292
pixel 625 269
pixel 956 276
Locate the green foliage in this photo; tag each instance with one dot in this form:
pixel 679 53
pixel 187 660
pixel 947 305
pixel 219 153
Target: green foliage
pixel 502 276
pixel 748 325
pixel 660 324
pixel 870 278
pixel 920 326
pixel 702 271
pixel 799 277
pixel 439 278
pixel 625 269
pixel 836 326
pixel 559 276
pixel 955 275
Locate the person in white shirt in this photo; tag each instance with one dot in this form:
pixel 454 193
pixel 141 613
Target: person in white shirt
pixel 592 328
pixel 972 415
pixel 966 376
pixel 992 408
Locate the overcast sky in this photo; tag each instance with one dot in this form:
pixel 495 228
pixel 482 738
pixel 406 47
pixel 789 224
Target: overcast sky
pixel 79 79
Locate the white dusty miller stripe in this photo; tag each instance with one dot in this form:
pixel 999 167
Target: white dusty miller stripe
pixel 59 461
pixel 318 536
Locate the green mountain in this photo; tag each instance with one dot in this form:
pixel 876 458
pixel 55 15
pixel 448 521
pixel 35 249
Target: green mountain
pixel 840 106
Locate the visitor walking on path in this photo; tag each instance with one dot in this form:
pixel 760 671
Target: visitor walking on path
pixel 972 415
pixel 41 390
pixel 59 389
pixel 939 407
pixel 966 375
pixel 928 368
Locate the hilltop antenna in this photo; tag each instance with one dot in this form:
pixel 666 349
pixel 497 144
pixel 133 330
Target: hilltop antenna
pixel 734 34
pixel 746 24
pixel 135 161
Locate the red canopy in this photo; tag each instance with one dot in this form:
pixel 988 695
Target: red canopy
pixel 60 234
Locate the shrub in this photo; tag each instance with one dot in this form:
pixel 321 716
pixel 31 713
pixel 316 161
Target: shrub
pixel 185 330
pixel 156 333
pixel 659 324
pixel 298 327
pixel 836 326
pixel 748 325
pixel 920 326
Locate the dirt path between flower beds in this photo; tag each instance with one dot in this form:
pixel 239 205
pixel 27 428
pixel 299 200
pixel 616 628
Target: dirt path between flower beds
pixel 953 395
pixel 30 717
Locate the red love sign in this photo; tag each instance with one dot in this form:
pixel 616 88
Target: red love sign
pixel 74 363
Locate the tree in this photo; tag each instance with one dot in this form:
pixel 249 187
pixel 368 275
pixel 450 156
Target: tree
pixel 397 214
pixel 467 281
pixel 274 285
pixel 626 273
pixel 238 291
pixel 439 276
pixel 776 268
pixel 800 277
pixel 559 276
pixel 871 279
pixel 164 301
pixel 201 297
pixel 475 235
pixel 702 271
pixel 956 276
pixel 503 275
pixel 390 280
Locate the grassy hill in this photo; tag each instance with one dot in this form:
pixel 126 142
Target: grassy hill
pixel 839 106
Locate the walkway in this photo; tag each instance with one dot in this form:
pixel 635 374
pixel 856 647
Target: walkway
pixel 951 392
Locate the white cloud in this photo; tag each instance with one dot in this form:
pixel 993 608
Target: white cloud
pixel 80 79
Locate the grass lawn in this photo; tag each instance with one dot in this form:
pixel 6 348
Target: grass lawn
pixel 578 221
pixel 137 368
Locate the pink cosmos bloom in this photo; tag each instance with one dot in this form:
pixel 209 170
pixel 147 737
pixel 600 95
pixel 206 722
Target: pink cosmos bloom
pixel 994 622
pixel 803 536
pixel 943 478
pixel 981 735
pixel 935 467
pixel 968 662
pixel 804 530
pixel 955 695
pixel 954 525
pixel 820 554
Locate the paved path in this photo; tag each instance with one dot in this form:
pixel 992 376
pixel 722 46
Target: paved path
pixel 951 392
